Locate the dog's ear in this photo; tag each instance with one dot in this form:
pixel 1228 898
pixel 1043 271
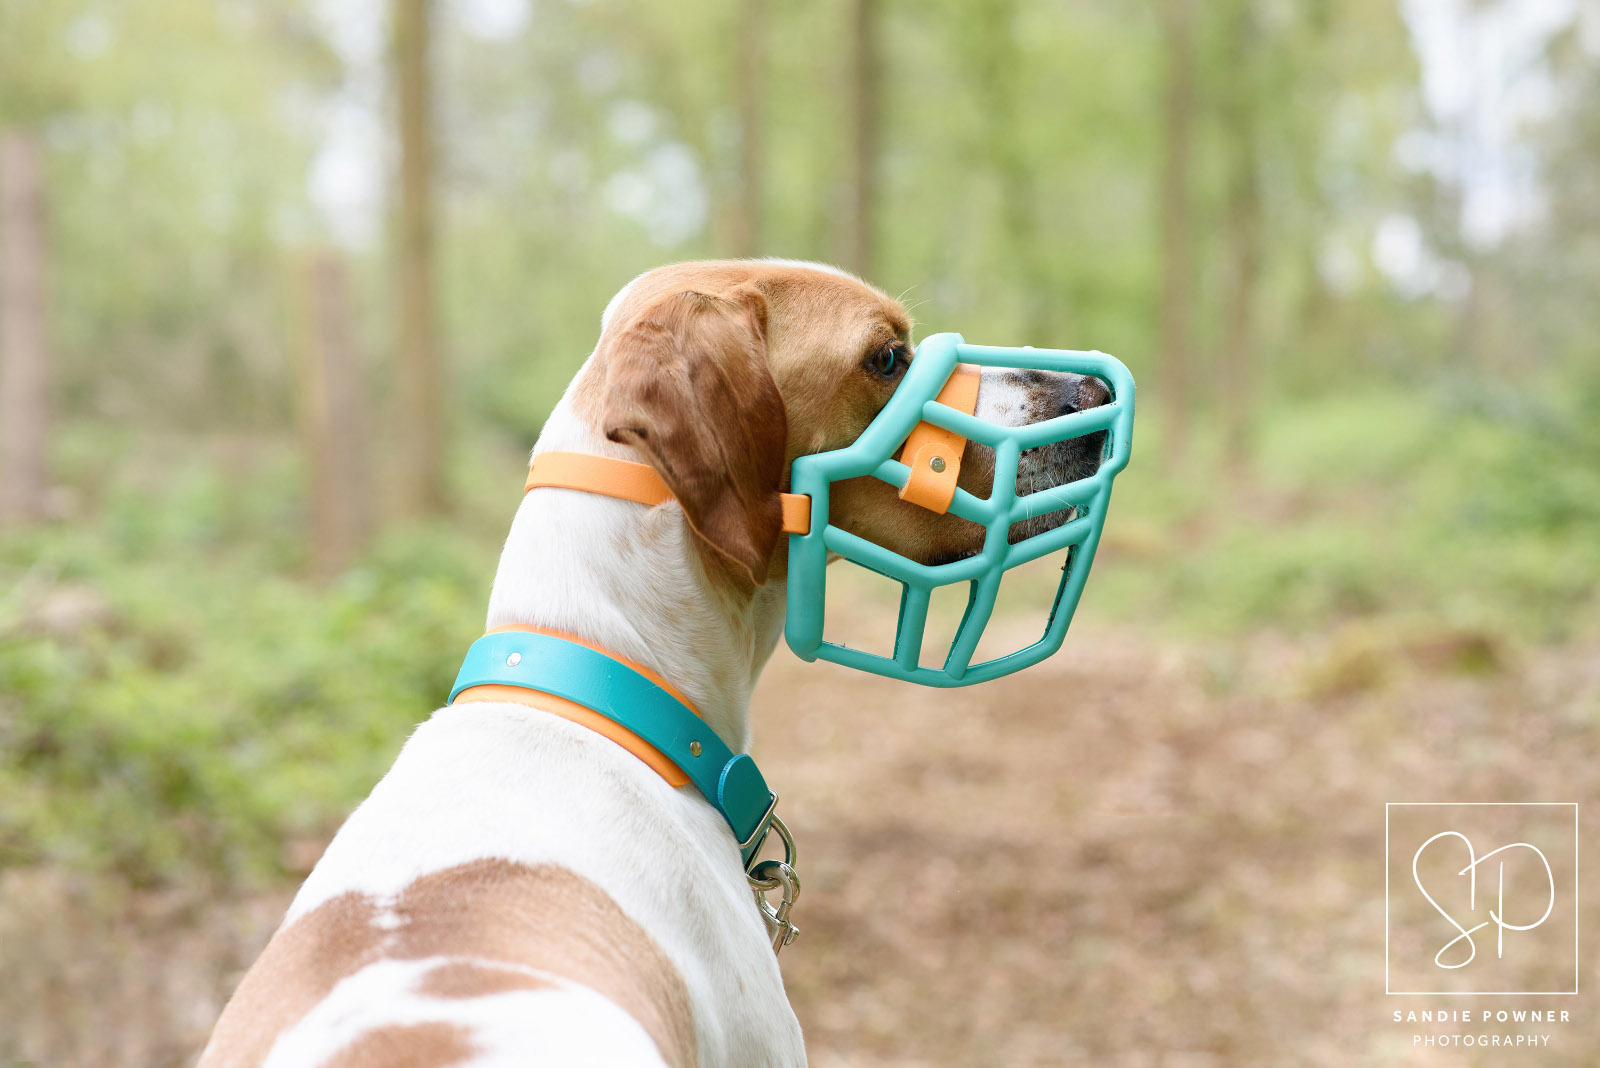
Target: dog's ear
pixel 687 384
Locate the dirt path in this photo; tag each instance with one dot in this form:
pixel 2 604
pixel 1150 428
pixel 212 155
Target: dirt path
pixel 1140 856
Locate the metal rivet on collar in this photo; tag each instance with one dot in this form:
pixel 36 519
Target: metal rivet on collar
pixel 937 463
pixel 513 660
pixel 694 748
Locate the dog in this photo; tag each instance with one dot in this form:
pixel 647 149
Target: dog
pixel 520 890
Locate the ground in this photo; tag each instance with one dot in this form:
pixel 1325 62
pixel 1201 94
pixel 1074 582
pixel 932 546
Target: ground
pixel 1141 852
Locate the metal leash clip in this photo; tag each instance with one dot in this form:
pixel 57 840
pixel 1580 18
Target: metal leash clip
pixel 773 875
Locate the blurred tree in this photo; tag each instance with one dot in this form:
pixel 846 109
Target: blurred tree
pixel 24 355
pixel 1177 263
pixel 175 140
pixel 333 413
pixel 1236 381
pixel 34 88
pixel 999 70
pixel 752 64
pixel 1555 266
pixel 422 385
pixel 865 104
pixel 1336 86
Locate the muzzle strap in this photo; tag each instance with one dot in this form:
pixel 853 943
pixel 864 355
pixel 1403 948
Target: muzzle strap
pixel 933 453
pixel 630 481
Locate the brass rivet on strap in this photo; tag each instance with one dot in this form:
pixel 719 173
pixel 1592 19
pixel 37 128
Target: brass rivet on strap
pixel 694 748
pixel 937 463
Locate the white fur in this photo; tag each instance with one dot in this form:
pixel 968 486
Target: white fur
pixel 559 1025
pixel 1002 399
pixel 503 780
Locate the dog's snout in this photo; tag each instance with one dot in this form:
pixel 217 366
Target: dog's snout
pixel 1082 393
pixel 1092 392
pixel 1012 397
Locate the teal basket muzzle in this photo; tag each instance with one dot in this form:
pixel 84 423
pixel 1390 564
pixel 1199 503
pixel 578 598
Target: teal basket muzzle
pixel 872 454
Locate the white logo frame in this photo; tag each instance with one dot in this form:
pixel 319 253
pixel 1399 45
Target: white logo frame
pixel 1388 987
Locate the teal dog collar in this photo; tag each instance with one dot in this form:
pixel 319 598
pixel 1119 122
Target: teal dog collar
pixel 548 664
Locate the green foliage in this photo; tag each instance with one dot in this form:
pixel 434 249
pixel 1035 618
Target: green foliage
pixel 174 701
pixel 1442 507
pixel 177 149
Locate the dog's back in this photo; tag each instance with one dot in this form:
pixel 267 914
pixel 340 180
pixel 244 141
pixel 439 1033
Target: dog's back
pixel 471 947
pixel 447 973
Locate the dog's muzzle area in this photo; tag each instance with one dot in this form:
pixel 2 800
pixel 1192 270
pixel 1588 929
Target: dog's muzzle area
pixel 1032 407
pixel 1010 397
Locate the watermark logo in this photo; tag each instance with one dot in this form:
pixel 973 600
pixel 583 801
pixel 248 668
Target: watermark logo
pixel 1481 898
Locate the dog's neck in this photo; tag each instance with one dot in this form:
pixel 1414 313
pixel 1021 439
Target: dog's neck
pixel 632 580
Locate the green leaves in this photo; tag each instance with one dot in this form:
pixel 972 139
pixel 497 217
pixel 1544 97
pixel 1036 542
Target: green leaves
pixel 198 710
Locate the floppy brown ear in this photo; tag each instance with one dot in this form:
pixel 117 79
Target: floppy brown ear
pixel 687 384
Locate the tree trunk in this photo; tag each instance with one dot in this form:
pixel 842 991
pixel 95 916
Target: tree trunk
pixel 864 106
pixel 421 379
pixel 752 38
pixel 1237 378
pixel 1176 224
pixel 24 359
pixel 998 66
pixel 333 416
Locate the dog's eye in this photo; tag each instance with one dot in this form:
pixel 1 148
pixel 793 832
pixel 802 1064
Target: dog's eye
pixel 889 360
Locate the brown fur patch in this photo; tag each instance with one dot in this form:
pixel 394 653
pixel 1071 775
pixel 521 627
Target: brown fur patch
pixel 300 965
pixel 427 1045
pixel 687 385
pixel 543 917
pixel 465 979
pixel 554 920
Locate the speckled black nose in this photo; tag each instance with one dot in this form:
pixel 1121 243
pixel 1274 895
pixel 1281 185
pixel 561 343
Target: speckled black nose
pixel 1086 391
pixel 1092 392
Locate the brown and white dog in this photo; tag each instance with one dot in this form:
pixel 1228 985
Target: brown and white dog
pixel 518 890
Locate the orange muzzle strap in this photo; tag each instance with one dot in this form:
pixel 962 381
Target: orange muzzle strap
pixel 933 453
pixel 630 481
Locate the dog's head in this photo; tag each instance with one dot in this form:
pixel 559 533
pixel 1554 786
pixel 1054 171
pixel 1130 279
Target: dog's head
pixel 721 373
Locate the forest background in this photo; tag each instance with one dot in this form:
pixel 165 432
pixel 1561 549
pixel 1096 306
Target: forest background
pixel 287 289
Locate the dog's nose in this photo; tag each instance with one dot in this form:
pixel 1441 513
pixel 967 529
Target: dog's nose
pixel 1086 392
